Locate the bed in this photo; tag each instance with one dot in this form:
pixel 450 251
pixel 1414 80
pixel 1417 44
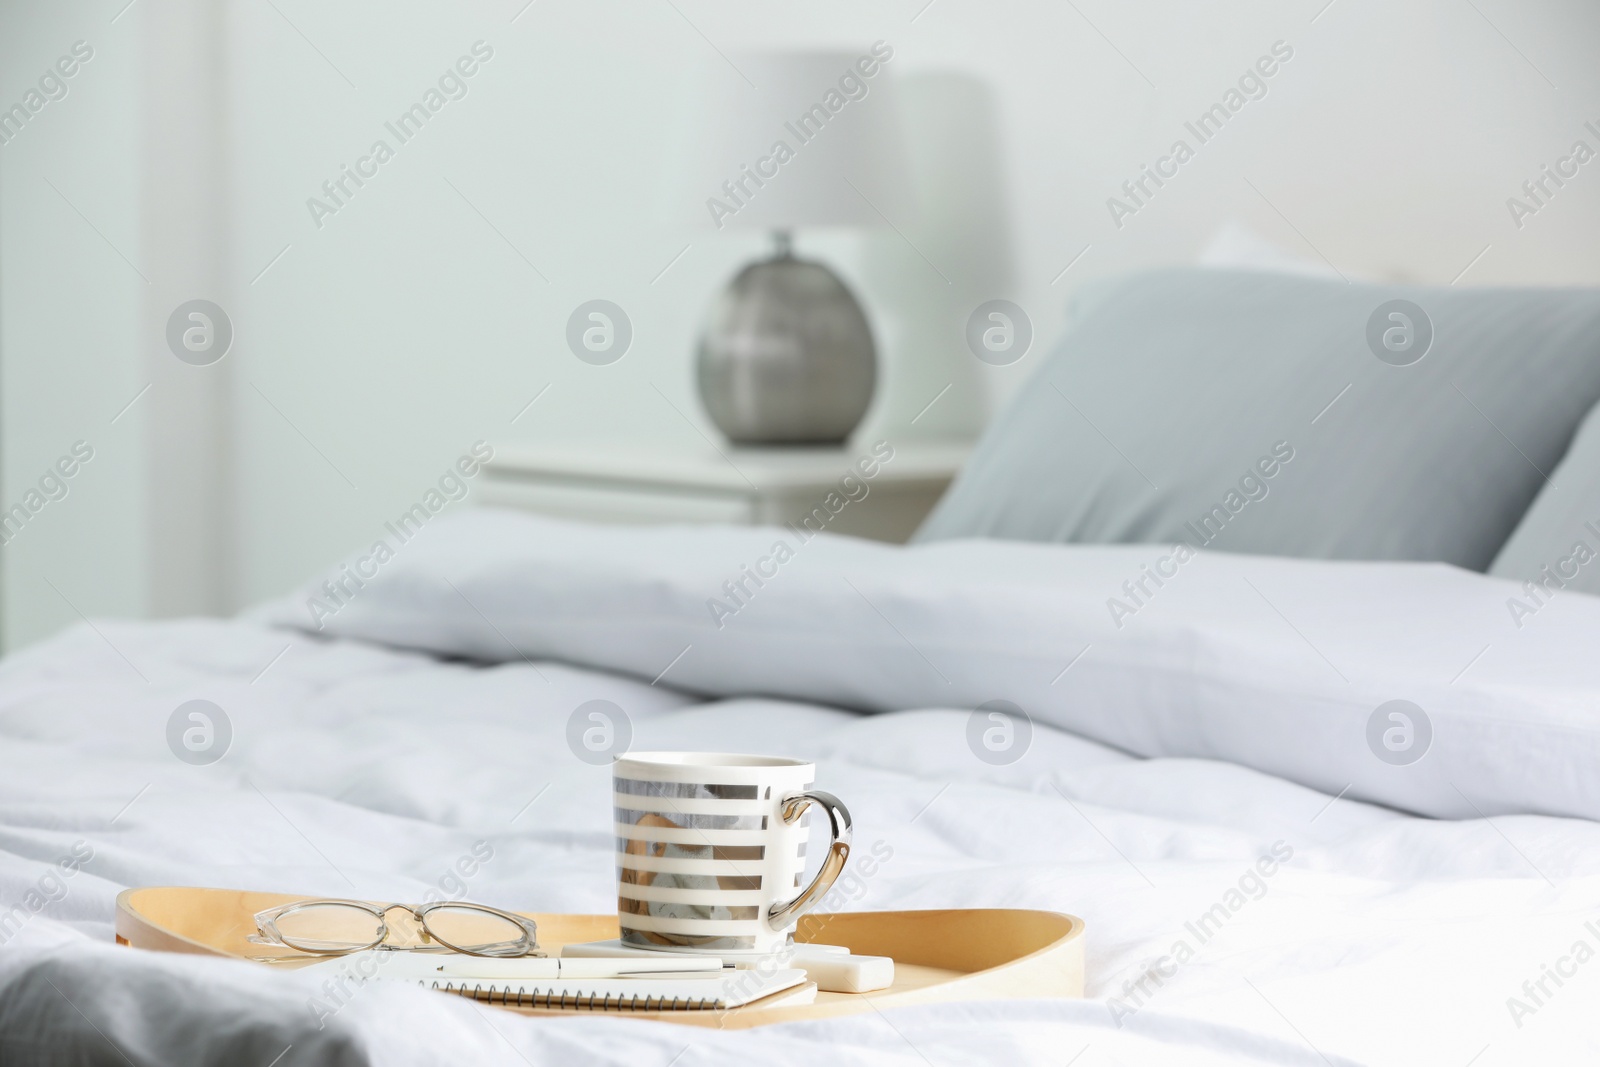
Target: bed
pixel 1214 781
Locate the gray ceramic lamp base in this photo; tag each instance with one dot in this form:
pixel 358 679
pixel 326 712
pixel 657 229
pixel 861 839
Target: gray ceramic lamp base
pixel 786 357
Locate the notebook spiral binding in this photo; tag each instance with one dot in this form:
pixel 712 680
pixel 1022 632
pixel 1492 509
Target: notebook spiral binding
pixel 520 997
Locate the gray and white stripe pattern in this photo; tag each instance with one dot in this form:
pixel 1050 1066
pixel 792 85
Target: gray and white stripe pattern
pixel 700 863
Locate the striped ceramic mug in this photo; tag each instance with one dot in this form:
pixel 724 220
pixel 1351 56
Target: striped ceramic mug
pixel 711 847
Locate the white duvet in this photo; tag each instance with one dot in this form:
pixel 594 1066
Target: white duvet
pixel 1233 916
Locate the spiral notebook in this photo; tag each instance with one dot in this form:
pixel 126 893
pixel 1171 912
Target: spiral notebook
pixel 497 983
pixel 784 988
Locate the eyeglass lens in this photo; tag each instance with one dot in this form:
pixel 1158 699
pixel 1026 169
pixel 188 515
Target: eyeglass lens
pixel 469 929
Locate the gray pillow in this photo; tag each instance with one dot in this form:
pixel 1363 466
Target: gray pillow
pixel 1557 544
pixel 1251 412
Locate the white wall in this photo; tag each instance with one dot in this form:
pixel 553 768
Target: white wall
pixel 379 346
pixel 70 307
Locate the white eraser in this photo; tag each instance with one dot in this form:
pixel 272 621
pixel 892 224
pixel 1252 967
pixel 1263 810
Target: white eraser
pixel 848 974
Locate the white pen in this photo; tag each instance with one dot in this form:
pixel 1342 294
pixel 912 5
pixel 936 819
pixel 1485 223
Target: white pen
pixel 420 966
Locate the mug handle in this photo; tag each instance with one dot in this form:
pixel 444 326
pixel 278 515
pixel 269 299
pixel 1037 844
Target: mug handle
pixel 781 915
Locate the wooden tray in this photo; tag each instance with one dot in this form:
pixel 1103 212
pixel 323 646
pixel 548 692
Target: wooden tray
pixel 969 954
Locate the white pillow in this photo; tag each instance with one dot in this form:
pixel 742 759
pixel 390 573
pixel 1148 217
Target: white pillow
pixel 1237 247
pixel 1287 666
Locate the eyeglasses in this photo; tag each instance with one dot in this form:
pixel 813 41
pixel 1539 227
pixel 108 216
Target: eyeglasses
pixel 337 927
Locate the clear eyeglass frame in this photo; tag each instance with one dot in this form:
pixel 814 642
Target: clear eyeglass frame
pixel 268 931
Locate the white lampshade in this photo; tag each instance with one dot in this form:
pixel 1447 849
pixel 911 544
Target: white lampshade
pixel 815 142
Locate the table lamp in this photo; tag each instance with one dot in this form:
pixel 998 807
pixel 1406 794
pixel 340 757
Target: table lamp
pixel 786 354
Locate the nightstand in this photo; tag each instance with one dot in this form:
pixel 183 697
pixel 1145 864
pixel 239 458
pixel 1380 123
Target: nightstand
pixel 741 486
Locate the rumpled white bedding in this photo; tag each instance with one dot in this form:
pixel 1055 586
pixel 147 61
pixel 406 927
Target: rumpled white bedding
pixel 361 770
